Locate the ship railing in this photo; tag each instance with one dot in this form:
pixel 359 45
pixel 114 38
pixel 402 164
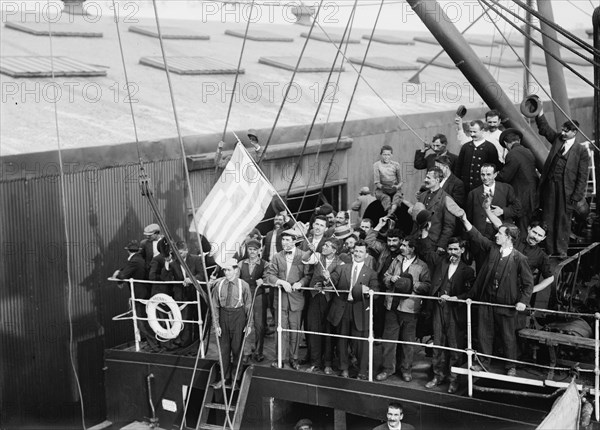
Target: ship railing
pixel 132 313
pixel 469 351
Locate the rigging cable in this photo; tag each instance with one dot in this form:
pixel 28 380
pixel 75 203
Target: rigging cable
pixel 329 111
pixel 564 45
pixel 331 70
pixel 237 72
pixel 555 27
pixel 287 91
pixel 580 9
pixel 191 197
pixel 63 199
pixel 540 84
pixel 362 65
pixel 579 75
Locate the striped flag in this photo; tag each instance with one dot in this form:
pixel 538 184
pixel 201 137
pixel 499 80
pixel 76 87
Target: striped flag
pixel 235 205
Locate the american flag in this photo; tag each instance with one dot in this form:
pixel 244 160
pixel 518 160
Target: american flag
pixel 234 206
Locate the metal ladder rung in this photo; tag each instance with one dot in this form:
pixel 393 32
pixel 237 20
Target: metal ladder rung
pixel 219 406
pixel 211 427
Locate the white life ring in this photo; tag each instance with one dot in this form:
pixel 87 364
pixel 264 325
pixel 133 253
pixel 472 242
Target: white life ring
pixel 170 325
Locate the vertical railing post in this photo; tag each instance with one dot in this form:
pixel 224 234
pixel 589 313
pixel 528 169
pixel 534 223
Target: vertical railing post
pixel 279 329
pixel 597 364
pixel 200 324
pixel 469 348
pixel 371 339
pixel 136 330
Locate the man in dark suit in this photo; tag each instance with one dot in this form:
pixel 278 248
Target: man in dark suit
pixel 317 236
pixel 395 414
pixel 288 273
pixel 505 278
pixel 505 204
pixel 272 245
pixel 349 312
pixel 563 182
pixel 519 172
pixel 149 245
pixel 451 280
pixel 135 268
pixel 434 199
pixel 473 155
pixel 453 186
pixel 438 146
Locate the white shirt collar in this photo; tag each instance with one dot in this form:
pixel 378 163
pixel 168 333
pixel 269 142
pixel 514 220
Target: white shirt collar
pixel 491 189
pixel 568 144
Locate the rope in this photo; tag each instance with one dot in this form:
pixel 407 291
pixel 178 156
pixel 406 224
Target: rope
pixel 362 65
pixel 331 70
pixel 63 200
pixel 189 187
pixel 237 72
pixel 330 110
pixel 557 58
pixel 564 45
pixel 539 83
pixel 287 91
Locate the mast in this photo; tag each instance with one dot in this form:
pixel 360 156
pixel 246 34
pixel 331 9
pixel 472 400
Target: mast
pixel 467 61
pixel 556 76
pixel 526 77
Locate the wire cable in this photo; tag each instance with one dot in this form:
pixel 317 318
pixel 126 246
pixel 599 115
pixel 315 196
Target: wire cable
pixel 326 86
pixel 63 200
pixel 287 91
pixel 538 81
pixel 237 71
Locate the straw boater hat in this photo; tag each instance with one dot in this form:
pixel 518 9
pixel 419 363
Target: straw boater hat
pixel 342 232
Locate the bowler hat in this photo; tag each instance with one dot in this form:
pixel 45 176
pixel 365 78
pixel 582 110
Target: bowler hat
pixel 531 106
pixel 461 111
pixel 252 132
pixel 423 217
pixel 403 285
pixel 325 209
pixel 133 246
pixel 414 211
pixel 507 132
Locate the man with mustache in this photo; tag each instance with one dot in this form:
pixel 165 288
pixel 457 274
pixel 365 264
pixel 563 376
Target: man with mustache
pixel 451 280
pixel 438 146
pixel 563 182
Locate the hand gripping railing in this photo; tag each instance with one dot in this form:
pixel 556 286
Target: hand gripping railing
pixel 469 349
pixel 134 317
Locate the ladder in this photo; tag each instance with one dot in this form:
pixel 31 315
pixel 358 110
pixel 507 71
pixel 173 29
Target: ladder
pixel 213 401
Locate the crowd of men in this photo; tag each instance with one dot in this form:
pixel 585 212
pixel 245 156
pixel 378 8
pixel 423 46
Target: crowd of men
pixel 473 237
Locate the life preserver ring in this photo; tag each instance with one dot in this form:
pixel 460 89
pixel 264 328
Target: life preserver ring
pixel 170 325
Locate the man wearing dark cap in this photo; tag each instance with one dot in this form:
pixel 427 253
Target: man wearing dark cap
pixel 349 312
pixel 438 147
pixel 288 273
pixel 232 302
pixel 434 199
pixel 135 268
pixel 304 424
pixel 149 245
pixel 519 172
pixel 251 271
pixel 563 182
pixel 407 275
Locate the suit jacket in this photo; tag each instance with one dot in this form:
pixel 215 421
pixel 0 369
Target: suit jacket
pixel 299 272
pixel 147 251
pixel 426 162
pixel 421 285
pixel 134 268
pixel 266 255
pixel 342 278
pixel 304 245
pixel 519 171
pixel 442 221
pixel 455 188
pixel 504 197
pixel 576 171
pixel 516 282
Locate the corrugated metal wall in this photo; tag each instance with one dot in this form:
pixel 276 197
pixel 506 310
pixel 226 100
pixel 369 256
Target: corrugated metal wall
pixel 104 210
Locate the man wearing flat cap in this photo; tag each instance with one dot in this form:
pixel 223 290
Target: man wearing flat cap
pixel 149 245
pixel 362 202
pixel 232 317
pixel 519 172
pixel 288 273
pixel 563 182
pixel 135 268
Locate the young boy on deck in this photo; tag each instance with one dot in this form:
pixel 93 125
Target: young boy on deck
pixel 388 184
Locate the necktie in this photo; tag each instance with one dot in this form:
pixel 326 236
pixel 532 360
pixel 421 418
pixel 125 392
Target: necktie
pixel 353 282
pixel 288 252
pixel 229 299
